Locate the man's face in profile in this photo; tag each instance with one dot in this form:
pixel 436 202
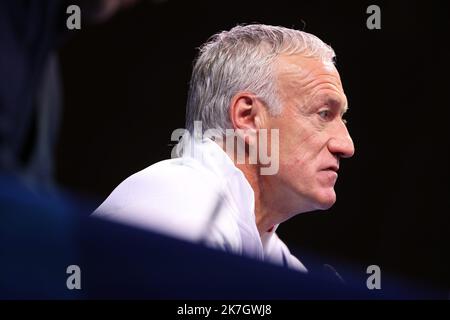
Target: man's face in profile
pixel 313 135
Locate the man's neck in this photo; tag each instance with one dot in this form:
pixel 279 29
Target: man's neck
pixel 268 209
pixel 265 213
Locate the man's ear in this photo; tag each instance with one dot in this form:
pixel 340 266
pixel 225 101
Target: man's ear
pixel 247 115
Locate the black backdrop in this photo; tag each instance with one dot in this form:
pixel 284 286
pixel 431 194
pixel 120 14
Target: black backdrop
pixel 126 82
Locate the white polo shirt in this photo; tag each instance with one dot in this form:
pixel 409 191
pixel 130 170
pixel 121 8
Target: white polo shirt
pixel 201 197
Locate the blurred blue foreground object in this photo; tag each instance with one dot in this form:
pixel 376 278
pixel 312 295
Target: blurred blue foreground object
pixel 42 235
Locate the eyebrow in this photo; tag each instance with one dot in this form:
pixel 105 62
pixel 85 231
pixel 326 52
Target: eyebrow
pixel 336 101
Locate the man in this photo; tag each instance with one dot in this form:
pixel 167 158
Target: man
pixel 250 80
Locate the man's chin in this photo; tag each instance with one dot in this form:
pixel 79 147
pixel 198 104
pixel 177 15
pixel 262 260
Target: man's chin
pixel 325 200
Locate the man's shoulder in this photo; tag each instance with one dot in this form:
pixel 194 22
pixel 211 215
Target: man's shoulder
pixel 183 177
pixel 185 165
pixel 175 196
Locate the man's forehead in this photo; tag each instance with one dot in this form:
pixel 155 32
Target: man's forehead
pixel 298 74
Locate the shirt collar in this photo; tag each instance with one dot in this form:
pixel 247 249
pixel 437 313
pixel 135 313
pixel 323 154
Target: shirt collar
pixel 215 159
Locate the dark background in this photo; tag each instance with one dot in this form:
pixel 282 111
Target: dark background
pixel 125 87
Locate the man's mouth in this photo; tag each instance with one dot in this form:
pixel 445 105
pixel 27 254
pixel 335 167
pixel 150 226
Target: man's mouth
pixel 333 167
pixel 329 174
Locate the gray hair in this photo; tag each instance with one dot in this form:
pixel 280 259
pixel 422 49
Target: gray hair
pixel 242 59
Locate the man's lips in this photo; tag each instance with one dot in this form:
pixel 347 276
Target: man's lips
pixel 330 173
pixel 332 167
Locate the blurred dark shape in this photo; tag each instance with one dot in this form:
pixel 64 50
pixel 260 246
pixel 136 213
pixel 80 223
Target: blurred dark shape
pixel 41 234
pixel 30 87
pixel 30 98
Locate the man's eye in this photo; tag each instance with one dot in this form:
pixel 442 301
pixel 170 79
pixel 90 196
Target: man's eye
pixel 325 114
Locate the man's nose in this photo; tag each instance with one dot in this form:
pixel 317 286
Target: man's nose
pixel 341 144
